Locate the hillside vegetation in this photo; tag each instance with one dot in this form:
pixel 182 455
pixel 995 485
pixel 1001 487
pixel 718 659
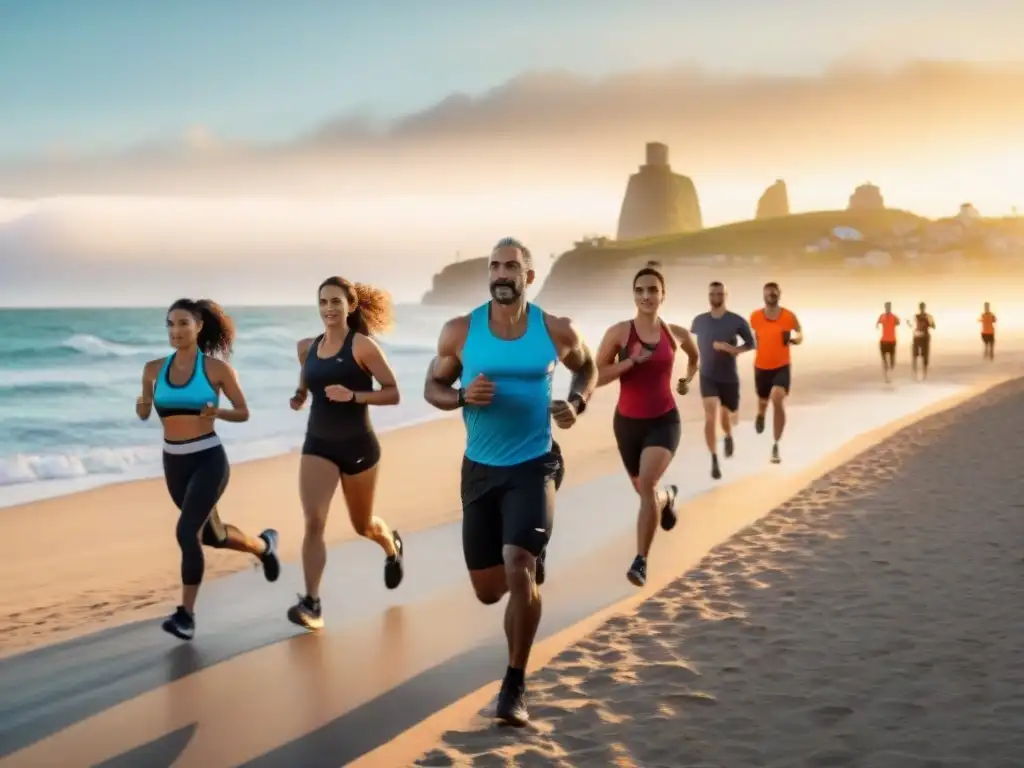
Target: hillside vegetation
pixel 756 236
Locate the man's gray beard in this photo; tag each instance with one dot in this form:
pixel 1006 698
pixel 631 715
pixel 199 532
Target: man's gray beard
pixel 516 294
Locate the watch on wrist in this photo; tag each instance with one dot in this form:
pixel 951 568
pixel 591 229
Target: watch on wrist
pixel 577 402
pixel 462 397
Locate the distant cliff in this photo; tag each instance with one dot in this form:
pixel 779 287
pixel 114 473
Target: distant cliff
pixel 867 197
pixel 658 201
pixel 774 201
pixel 458 283
pixel 600 271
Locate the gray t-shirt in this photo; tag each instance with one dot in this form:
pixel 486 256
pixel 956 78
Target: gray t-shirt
pixel 714 365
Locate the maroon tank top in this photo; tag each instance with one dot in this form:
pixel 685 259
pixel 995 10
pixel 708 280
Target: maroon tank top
pixel 645 390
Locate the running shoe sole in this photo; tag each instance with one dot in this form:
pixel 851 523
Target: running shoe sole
pixel 668 512
pixel 172 628
pixel 302 620
pixel 394 570
pixel 269 560
pixel 636 579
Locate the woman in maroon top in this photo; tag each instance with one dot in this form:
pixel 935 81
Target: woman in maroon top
pixel 641 353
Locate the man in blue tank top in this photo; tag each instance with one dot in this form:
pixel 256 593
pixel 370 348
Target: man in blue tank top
pixel 505 353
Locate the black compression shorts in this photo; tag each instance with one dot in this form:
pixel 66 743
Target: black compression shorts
pixel 634 435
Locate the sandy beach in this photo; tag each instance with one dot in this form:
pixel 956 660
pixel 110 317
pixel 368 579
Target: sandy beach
pixel 872 620
pixel 107 556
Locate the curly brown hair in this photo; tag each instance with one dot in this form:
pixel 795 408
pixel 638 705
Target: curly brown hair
pixel 217 336
pixel 370 310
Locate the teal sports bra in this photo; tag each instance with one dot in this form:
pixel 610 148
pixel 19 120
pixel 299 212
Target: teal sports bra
pixel 188 399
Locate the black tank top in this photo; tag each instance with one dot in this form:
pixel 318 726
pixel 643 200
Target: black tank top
pixel 330 420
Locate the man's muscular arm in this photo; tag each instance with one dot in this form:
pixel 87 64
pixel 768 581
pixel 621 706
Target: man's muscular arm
pixel 576 356
pixel 446 367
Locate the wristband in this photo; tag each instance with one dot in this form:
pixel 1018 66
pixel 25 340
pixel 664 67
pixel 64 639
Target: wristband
pixel 577 402
pixel 462 397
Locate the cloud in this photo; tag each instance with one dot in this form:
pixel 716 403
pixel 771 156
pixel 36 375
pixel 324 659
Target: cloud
pixel 545 126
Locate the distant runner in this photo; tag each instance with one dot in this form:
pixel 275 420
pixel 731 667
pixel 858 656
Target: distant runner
pixel 505 352
pixel 717 332
pixel 888 322
pixel 988 333
pixel 776 330
pixel 641 354
pixel 923 325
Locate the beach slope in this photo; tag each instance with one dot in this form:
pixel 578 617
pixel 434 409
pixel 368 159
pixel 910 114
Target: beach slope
pixel 872 620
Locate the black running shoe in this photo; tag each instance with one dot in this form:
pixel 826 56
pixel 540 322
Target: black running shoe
pixel 668 512
pixel 307 613
pixel 759 423
pixel 394 569
pixel 269 560
pixel 716 472
pixel 730 447
pixel 512 704
pixel 776 459
pixel 541 567
pixel 637 573
pixel 181 624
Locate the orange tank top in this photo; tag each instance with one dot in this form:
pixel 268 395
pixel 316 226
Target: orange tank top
pixel 772 352
pixel 889 323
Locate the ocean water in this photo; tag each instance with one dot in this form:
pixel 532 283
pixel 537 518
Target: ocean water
pixel 69 380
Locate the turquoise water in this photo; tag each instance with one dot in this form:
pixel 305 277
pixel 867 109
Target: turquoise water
pixel 69 379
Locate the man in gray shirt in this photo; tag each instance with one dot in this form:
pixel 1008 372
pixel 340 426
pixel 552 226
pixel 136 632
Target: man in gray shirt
pixel 717 332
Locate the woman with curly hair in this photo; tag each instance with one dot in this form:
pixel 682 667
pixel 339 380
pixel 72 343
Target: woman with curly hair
pixel 338 369
pixel 185 389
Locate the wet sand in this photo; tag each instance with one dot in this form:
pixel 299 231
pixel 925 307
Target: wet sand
pixel 874 619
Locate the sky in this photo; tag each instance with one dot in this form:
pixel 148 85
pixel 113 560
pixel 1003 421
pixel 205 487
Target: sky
pixel 397 133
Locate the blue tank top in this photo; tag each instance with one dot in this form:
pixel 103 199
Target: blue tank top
pixel 516 426
pixel 188 399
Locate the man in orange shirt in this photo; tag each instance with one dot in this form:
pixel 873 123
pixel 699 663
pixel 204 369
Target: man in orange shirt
pixel 888 322
pixel 776 330
pixel 988 333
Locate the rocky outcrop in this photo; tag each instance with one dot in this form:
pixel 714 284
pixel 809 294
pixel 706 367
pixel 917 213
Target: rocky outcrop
pixel 774 201
pixel 968 213
pixel 658 201
pixel 867 197
pixel 459 283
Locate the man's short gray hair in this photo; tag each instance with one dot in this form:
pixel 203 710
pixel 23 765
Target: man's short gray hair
pixel 511 242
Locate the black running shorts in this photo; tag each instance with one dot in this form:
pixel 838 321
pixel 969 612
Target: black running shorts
pixel 504 506
pixel 988 338
pixel 922 348
pixel 766 379
pixel 634 435
pixel 351 455
pixel 726 392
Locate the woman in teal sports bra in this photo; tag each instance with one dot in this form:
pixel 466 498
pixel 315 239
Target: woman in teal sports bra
pixel 185 390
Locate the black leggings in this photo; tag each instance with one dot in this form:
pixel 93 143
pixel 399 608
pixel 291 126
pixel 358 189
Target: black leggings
pixel 196 482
